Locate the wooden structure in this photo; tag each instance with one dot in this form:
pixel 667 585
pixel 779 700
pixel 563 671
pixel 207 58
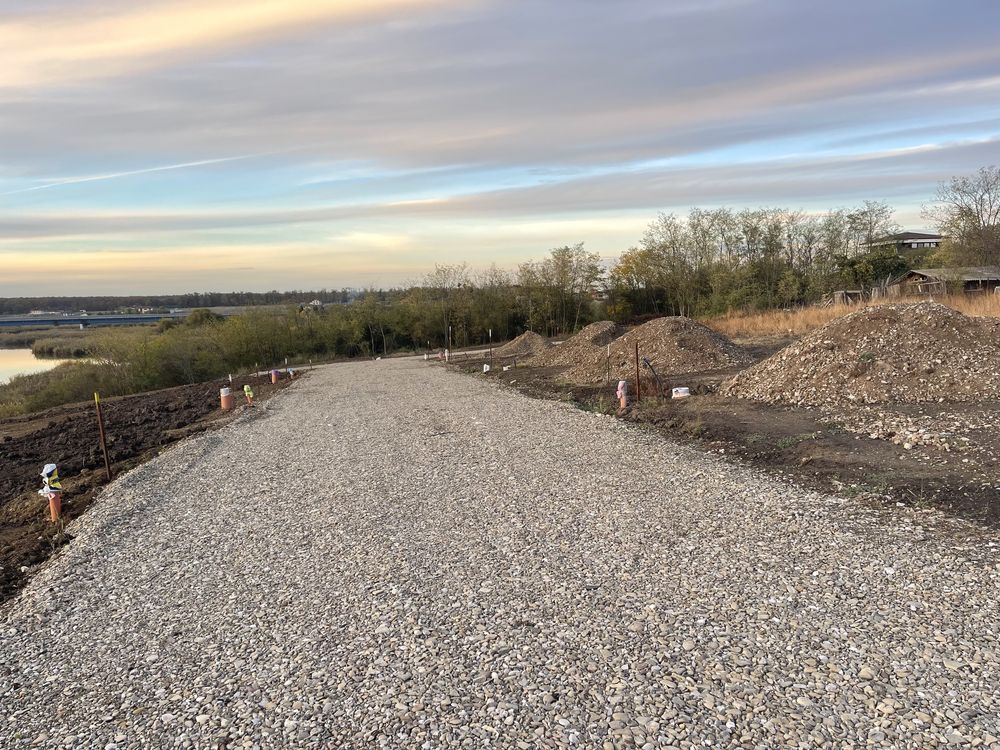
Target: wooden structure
pixel 847 297
pixel 937 281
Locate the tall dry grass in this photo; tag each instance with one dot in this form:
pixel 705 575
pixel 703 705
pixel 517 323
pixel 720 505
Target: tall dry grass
pixel 804 319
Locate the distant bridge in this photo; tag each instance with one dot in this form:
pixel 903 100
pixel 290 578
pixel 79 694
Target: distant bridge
pixel 85 321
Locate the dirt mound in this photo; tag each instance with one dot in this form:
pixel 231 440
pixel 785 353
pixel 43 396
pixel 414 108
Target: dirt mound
pixel 674 345
pixel 527 344
pixel 900 353
pixel 584 346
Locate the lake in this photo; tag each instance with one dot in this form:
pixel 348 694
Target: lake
pixel 23 362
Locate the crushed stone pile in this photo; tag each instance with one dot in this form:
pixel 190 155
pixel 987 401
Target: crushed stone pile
pixel 674 345
pixel 587 345
pixel 527 344
pixel 896 353
pixel 945 428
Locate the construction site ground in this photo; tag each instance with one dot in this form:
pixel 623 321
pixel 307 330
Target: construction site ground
pixel 391 555
pixel 824 451
pixel 137 427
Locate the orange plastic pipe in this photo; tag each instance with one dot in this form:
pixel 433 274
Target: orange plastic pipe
pixel 55 506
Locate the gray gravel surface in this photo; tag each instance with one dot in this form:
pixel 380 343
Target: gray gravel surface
pixel 390 555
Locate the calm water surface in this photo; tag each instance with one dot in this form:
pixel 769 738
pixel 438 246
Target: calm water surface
pixel 22 362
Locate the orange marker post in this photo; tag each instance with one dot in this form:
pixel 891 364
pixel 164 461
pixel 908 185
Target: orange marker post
pixel 622 394
pixel 55 506
pixel 52 489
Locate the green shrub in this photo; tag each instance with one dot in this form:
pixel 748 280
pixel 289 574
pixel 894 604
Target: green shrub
pixel 67 383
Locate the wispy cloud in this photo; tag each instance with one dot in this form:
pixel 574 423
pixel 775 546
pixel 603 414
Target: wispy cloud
pixel 786 179
pixel 400 129
pixel 132 172
pixel 62 46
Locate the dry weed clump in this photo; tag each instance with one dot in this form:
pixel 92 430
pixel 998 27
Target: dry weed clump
pixel 805 319
pixel 980 305
pixel 674 345
pixel 888 353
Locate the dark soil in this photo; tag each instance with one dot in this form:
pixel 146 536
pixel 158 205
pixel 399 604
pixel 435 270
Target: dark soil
pixel 796 443
pixel 137 428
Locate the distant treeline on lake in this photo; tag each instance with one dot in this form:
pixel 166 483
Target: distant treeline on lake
pixel 24 305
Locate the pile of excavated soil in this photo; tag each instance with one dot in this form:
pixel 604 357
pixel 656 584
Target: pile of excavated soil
pixel 673 345
pixel 588 345
pixel 900 353
pixel 527 344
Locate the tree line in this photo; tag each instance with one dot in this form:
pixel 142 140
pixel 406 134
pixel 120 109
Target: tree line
pixel 163 302
pixel 711 261
pixel 719 260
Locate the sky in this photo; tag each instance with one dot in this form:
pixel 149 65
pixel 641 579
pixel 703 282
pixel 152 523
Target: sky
pixel 172 146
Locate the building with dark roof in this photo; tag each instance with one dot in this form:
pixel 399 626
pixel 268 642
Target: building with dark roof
pixel 902 241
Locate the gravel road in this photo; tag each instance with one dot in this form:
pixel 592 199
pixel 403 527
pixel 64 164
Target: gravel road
pixel 390 555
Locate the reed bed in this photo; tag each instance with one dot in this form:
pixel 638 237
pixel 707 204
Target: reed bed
pixel 801 320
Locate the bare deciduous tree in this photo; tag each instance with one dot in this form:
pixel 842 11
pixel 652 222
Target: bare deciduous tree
pixel 967 210
pixel 869 222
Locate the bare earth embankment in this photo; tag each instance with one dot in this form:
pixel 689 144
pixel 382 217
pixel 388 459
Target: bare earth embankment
pixel 137 427
pixel 392 555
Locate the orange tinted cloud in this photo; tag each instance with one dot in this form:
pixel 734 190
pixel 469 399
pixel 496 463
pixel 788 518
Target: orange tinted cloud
pixel 72 46
pixel 286 264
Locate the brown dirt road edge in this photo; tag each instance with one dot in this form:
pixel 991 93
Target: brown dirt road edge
pixel 138 428
pixel 795 443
